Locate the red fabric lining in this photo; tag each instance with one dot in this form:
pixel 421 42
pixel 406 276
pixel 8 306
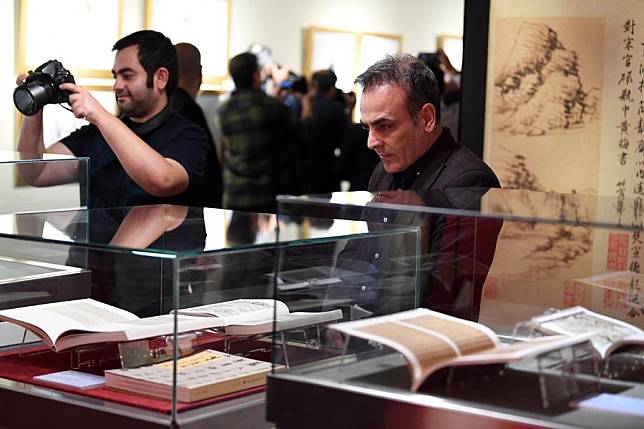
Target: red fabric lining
pixel 23 365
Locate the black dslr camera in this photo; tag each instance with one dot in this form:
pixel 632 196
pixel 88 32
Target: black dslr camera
pixel 41 87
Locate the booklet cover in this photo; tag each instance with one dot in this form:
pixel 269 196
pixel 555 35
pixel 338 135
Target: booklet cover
pixel 204 375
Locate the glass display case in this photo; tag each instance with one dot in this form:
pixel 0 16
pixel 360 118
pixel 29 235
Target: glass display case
pixel 500 272
pixel 163 316
pixel 25 188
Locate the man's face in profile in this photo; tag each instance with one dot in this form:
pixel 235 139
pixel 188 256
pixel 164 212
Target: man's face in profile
pixel 134 98
pixel 392 133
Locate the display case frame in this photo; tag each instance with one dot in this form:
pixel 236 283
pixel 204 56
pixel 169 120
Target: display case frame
pixel 188 257
pixel 381 390
pixel 22 192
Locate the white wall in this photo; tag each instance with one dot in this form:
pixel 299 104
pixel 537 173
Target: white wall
pixel 7 77
pixel 280 23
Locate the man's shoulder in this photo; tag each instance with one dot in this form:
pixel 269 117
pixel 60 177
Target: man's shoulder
pixel 175 131
pixel 464 168
pixel 465 157
pixel 180 122
pixel 83 140
pixel 85 130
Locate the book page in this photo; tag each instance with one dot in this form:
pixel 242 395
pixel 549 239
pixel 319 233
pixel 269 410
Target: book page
pixel 521 350
pixel 239 310
pixel 284 322
pixel 579 320
pixel 137 329
pixel 160 325
pixel 54 319
pixel 427 339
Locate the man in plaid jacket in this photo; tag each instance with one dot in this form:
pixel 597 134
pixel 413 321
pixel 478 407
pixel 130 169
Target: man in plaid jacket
pixel 258 138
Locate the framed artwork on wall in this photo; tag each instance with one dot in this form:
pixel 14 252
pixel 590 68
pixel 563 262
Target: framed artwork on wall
pixel 453 48
pixel 203 23
pixel 553 95
pixel 374 47
pixel 45 32
pixel 347 53
pixel 335 49
pixel 558 86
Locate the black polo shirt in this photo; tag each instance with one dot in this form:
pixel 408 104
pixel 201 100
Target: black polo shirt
pixel 168 133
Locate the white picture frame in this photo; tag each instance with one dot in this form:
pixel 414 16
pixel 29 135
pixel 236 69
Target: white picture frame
pixel 332 49
pixel 83 56
pixel 374 47
pixel 347 53
pixel 208 30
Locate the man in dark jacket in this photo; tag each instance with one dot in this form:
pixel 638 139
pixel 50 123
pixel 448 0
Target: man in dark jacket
pixel 421 165
pixel 183 102
pixel 400 107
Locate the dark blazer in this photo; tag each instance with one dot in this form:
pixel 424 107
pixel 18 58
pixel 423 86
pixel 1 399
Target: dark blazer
pixel 447 164
pixel 456 251
pixel 183 104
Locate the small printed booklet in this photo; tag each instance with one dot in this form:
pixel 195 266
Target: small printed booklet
pixel 67 324
pixel 71 378
pixel 429 341
pixel 613 403
pixel 204 375
pixel 608 334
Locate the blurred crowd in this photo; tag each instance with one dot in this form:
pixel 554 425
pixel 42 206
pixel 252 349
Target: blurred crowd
pixel 285 134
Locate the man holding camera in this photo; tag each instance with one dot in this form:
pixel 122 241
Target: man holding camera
pixel 147 155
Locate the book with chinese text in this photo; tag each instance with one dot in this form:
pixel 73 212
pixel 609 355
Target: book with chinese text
pixel 204 375
pixel 608 334
pixel 67 324
pixel 429 341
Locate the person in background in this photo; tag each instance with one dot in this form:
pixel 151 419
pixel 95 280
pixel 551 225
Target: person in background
pixel 183 101
pixel 356 159
pixel 258 134
pixel 323 125
pixel 148 154
pixel 448 82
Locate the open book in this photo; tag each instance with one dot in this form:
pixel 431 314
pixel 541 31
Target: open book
pixel 63 325
pixel 429 341
pixel 204 375
pixel 608 334
pixel 256 316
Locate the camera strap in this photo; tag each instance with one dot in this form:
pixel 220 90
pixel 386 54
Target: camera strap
pixel 141 129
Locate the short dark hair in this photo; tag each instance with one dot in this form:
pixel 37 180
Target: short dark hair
pixel 155 51
pixel 241 68
pixel 411 75
pixel 325 79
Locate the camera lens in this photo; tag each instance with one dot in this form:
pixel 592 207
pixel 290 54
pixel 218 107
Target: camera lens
pixel 24 101
pixel 30 98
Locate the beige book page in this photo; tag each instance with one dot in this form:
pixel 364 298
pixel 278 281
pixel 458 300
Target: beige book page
pixel 428 340
pixel 565 112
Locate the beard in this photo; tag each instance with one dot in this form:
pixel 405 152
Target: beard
pixel 136 106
